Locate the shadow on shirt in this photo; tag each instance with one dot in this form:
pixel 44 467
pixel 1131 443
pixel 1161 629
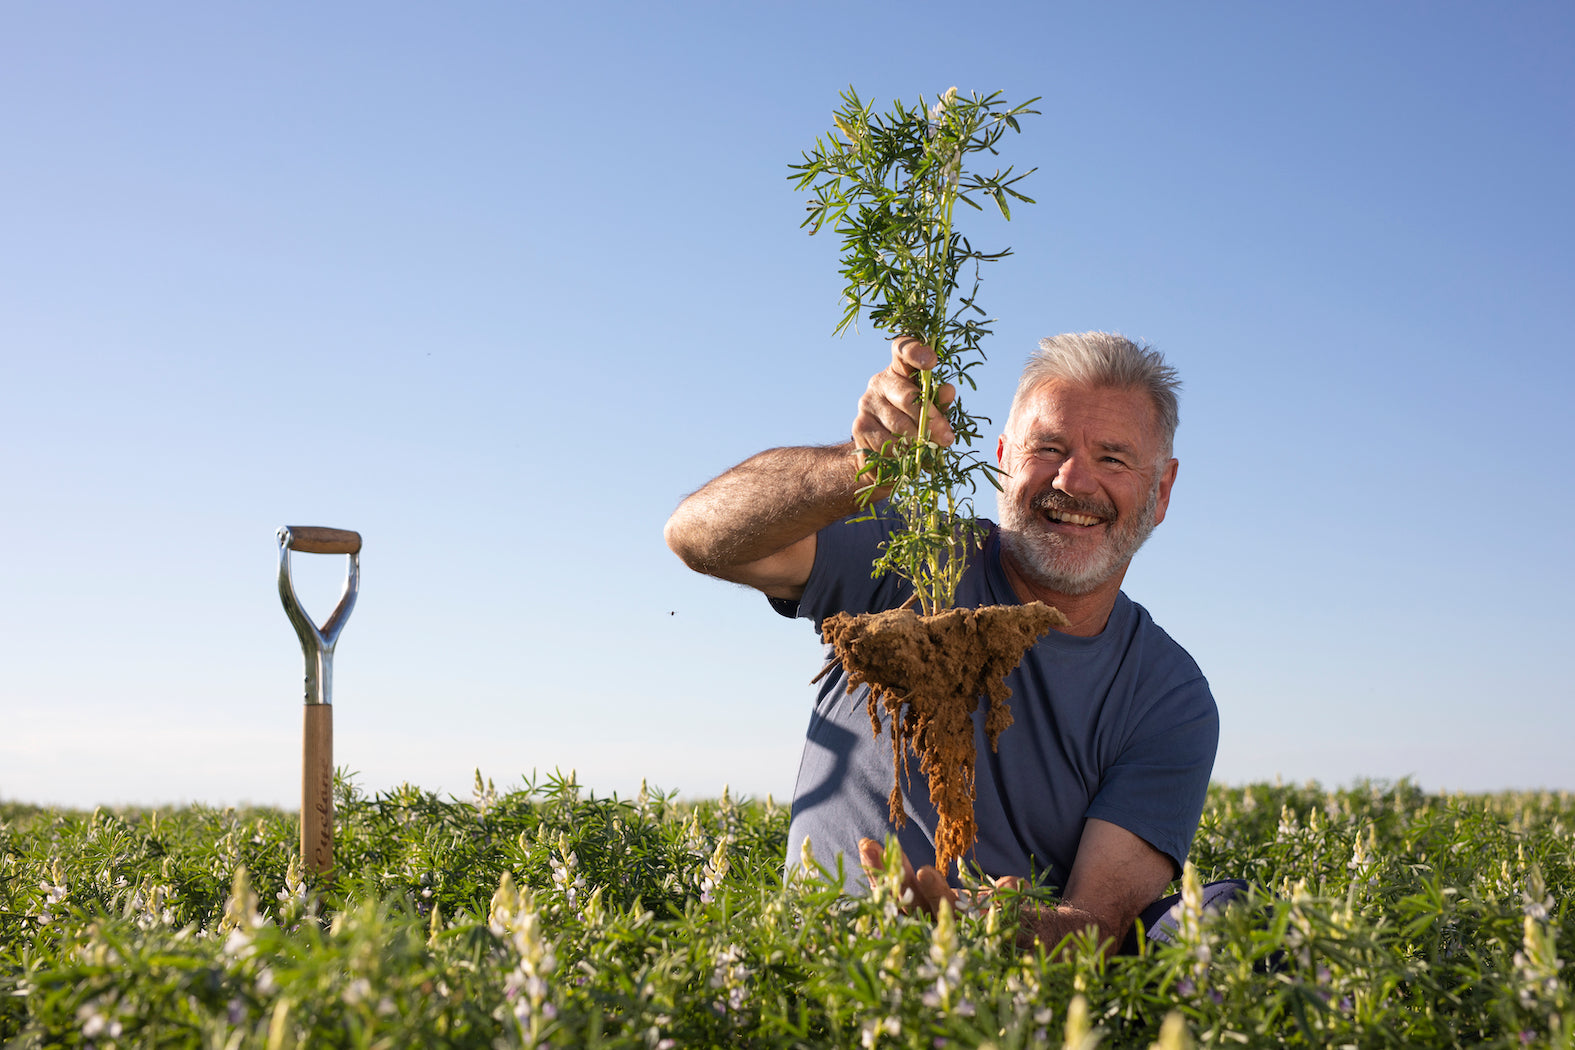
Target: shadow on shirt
pixel 840 743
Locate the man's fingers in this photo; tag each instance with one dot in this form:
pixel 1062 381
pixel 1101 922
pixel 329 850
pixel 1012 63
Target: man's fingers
pixel 885 411
pixel 933 888
pixel 1008 884
pixel 929 887
pixel 909 355
pixel 872 858
pixel 890 408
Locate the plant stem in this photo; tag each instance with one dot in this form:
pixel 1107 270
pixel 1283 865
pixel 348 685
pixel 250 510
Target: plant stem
pixel 933 592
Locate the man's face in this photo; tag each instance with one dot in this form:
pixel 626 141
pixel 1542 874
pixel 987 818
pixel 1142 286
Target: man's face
pixel 1084 484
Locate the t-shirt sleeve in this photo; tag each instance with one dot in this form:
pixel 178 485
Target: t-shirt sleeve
pixel 1159 783
pixel 841 579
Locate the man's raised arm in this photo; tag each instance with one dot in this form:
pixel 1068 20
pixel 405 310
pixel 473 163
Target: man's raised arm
pixel 756 523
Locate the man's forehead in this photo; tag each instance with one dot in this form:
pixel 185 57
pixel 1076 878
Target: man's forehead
pixel 1120 415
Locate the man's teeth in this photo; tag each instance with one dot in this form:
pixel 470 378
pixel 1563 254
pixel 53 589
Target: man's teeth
pixel 1072 519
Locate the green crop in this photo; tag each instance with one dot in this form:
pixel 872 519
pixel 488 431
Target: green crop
pixel 1384 917
pixel 889 184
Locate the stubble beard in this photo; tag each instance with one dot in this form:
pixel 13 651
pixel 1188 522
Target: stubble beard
pixel 1046 560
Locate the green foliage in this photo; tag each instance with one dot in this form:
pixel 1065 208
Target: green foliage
pixel 889 184
pixel 547 915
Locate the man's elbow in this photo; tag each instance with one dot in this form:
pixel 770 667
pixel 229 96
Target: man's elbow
pixel 686 540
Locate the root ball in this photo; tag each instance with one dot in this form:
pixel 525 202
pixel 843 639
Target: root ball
pixel 926 675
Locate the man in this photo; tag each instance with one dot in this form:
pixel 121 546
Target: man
pixel 1098 786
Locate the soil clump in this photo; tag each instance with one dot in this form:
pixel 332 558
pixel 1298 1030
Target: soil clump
pixel 927 674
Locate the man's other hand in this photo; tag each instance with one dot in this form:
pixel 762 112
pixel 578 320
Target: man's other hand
pixel 925 888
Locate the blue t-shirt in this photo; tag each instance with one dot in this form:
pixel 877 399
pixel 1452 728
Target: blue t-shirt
pixel 1120 726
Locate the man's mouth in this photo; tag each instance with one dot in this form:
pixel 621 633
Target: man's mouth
pixel 1065 517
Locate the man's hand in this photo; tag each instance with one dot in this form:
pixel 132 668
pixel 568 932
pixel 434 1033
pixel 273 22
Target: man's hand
pixel 890 405
pixel 756 523
pixel 925 888
pixel 1116 875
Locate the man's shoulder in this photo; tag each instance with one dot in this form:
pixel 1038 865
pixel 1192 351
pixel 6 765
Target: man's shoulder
pixel 1164 664
pixel 1146 627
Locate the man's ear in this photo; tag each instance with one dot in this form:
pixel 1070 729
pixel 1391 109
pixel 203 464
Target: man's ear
pixel 1000 448
pixel 1166 480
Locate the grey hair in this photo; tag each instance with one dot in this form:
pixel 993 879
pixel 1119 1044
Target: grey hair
pixel 1105 359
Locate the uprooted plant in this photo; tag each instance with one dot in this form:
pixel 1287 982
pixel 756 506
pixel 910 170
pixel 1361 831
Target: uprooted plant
pixel 889 184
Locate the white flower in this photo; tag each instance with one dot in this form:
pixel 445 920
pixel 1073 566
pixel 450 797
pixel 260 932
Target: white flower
pixel 485 796
pixel 566 878
pixel 54 893
pixel 1361 857
pixel 945 963
pixel 730 974
pixel 96 1021
pixel 873 1030
pixel 1173 1033
pixel 1536 901
pixel 513 918
pixel 942 104
pixel 1079 1032
pixel 715 869
pixel 1537 964
pixel 241 918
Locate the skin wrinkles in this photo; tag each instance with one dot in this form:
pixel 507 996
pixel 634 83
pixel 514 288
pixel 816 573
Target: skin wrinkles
pixel 1051 562
pixel 1082 451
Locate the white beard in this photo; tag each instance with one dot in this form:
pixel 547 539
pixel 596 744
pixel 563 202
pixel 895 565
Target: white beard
pixel 1045 560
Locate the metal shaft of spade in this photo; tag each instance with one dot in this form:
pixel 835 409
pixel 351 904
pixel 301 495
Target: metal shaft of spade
pixel 317 644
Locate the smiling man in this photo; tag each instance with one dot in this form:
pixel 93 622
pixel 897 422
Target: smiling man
pixel 1097 788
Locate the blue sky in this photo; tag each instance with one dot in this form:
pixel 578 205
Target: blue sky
pixel 497 284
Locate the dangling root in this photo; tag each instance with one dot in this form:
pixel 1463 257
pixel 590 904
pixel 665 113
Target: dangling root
pixel 927 674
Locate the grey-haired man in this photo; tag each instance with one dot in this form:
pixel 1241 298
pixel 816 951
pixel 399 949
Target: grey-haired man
pixel 1098 786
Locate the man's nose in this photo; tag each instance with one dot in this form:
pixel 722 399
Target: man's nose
pixel 1074 478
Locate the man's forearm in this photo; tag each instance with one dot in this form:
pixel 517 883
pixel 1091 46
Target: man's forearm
pixel 765 504
pixel 1049 926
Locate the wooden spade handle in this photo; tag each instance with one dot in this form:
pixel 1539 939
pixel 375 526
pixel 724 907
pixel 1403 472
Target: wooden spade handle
pixel 315 539
pixel 317 788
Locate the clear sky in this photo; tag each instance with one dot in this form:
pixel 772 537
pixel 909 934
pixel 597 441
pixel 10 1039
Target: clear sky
pixel 497 284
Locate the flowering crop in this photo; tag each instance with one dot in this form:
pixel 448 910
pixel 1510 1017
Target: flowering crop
pixel 546 916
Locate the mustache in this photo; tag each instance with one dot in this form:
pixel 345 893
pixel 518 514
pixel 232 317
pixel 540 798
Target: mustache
pixel 1056 500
